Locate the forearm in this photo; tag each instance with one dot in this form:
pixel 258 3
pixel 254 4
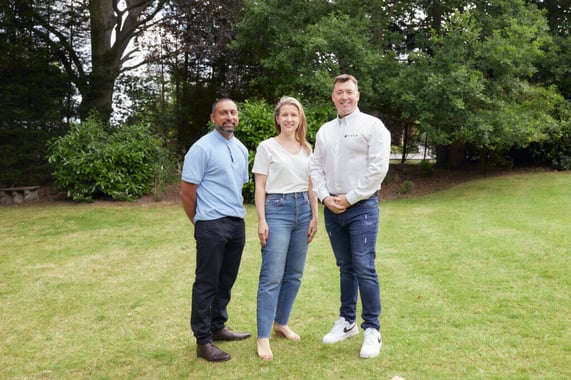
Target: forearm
pixel 260 202
pixel 260 197
pixel 313 201
pixel 188 199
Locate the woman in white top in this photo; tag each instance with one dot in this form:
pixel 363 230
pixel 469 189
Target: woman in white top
pixel 287 220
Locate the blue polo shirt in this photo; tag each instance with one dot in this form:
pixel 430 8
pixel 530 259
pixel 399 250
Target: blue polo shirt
pixel 220 169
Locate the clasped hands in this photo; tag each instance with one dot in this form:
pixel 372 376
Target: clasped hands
pixel 337 204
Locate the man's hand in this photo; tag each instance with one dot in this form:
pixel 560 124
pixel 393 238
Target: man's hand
pixel 336 204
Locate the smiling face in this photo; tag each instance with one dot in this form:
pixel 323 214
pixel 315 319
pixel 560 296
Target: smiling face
pixel 288 118
pixel 345 97
pixel 225 117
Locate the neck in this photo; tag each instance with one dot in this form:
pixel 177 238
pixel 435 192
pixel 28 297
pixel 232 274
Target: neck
pixel 287 138
pixel 341 116
pixel 226 133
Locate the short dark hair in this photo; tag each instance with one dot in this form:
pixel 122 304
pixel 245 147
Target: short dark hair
pixel 345 78
pixel 223 99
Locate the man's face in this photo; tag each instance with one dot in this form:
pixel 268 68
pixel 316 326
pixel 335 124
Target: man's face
pixel 345 97
pixel 225 117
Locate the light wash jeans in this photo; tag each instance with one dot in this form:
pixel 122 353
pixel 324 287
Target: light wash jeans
pixel 353 237
pixel 283 258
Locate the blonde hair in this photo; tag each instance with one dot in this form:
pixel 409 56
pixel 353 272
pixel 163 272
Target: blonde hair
pixel 301 131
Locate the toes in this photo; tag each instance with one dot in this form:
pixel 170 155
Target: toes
pixel 286 332
pixel 264 351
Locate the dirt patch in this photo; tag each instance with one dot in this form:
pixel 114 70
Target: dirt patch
pixel 421 183
pixel 170 194
pixel 402 181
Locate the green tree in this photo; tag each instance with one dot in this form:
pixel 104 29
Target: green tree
pixel 190 50
pixel 108 27
pixel 35 99
pixel 555 66
pixel 267 36
pixel 473 83
pixel 297 48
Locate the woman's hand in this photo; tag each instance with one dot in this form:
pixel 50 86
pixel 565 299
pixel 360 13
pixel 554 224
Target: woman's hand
pixel 263 231
pixel 312 230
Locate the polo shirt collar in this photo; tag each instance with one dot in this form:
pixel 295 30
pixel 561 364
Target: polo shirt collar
pixel 353 115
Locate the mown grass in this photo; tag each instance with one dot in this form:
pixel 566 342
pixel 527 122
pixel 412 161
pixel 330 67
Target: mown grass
pixel 475 285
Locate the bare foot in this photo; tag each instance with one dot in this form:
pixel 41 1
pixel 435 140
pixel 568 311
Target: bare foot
pixel 264 351
pixel 286 332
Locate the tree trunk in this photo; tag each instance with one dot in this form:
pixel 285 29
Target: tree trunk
pixel 97 96
pixel 451 156
pixel 112 29
pixel 457 155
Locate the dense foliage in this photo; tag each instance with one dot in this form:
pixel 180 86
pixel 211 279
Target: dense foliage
pixel 34 102
pixel 460 74
pixel 92 161
pixel 472 79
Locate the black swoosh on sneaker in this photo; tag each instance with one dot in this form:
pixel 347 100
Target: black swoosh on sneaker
pixel 346 330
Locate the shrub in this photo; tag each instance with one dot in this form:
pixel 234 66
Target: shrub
pixel 23 152
pixel 426 168
pixel 405 187
pixel 256 125
pixel 563 163
pixel 92 160
pixel 165 172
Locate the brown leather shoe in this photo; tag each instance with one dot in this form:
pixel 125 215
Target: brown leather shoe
pixel 227 334
pixel 211 353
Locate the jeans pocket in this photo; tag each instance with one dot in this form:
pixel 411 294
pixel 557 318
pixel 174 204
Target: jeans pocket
pixel 273 202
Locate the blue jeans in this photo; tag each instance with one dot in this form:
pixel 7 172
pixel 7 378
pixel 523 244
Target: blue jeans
pixel 353 237
pixel 283 258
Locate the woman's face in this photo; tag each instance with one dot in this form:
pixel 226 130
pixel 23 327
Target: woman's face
pixel 288 118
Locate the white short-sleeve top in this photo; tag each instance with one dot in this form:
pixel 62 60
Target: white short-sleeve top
pixel 285 172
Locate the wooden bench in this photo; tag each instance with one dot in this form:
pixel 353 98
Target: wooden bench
pixel 18 195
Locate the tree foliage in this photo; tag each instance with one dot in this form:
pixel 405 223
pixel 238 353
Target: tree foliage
pixel 191 49
pixel 474 82
pixel 92 40
pixel 490 76
pixel 34 98
pixel 458 71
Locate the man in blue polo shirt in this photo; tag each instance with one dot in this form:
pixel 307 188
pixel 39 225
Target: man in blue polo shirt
pixel 214 171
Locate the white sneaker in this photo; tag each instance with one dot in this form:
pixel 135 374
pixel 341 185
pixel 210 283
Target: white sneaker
pixel 371 343
pixel 341 331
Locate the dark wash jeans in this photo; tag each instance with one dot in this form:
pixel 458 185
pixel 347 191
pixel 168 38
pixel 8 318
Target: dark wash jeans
pixel 353 237
pixel 219 246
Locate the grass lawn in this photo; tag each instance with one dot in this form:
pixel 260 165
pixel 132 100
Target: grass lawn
pixel 475 285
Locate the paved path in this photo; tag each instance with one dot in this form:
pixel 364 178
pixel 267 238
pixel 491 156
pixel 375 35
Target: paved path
pixel 411 156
